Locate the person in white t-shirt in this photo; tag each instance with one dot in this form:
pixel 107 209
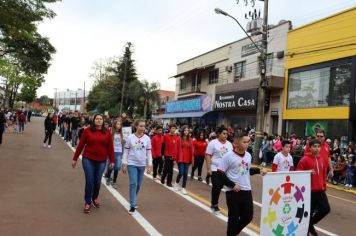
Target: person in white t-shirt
pixel 283 161
pixel 234 172
pixel 215 151
pixel 137 155
pixel 118 140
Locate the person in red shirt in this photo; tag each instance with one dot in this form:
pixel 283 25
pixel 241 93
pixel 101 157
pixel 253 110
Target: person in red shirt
pixel 319 205
pixel 200 145
pixel 170 147
pixel 98 146
pixel 22 120
pixel 157 154
pixel 185 158
pixel 324 153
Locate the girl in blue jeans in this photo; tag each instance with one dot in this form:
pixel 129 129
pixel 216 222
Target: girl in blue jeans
pixel 137 155
pixel 118 141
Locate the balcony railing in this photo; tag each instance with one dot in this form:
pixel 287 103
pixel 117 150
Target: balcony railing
pixel 191 89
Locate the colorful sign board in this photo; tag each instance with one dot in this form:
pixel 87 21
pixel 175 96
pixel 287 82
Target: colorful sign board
pixel 286 203
pixel 202 103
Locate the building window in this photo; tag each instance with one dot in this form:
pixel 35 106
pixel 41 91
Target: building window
pixel 182 84
pixel 240 69
pixel 214 76
pixel 269 63
pixel 323 87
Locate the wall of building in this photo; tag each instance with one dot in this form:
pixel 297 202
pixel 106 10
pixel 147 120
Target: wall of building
pixel 321 41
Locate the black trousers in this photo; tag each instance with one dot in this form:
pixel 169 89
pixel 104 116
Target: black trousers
pixel 216 189
pixel 167 170
pixel 319 207
pixel 2 130
pixel 198 164
pixel 48 136
pixel 240 211
pixel 157 163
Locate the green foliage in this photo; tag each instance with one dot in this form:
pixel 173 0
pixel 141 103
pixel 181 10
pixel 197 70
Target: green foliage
pixel 106 93
pixel 25 55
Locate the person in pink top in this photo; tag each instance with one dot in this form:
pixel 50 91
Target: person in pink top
pixel 277 144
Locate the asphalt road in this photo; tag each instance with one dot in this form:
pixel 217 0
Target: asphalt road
pixel 40 194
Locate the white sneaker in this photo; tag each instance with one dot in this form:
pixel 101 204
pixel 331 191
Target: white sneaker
pixel 44 145
pixel 49 146
pixel 346 185
pixel 176 186
pixel 184 191
pixel 350 185
pixel 263 164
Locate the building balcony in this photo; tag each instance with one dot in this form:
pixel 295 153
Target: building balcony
pixel 190 91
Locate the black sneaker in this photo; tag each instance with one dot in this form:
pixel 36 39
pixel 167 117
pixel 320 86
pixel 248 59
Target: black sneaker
pixel 132 210
pixel 215 209
pixel 170 185
pixel 312 231
pixel 108 181
pixel 162 181
pixel 207 180
pixel 96 203
pixel 200 179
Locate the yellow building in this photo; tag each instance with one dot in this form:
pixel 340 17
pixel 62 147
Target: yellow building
pixel 321 77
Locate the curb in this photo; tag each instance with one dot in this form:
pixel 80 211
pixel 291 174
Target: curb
pixel 352 191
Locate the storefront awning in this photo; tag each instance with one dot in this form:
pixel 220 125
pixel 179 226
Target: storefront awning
pixel 181 115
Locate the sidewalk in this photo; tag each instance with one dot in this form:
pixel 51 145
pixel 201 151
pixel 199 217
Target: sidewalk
pixel 42 195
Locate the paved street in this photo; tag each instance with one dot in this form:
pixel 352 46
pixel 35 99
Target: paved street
pixel 42 195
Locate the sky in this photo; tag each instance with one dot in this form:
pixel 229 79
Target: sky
pixel 163 33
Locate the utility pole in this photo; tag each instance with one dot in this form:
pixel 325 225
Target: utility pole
pixel 263 84
pixel 75 101
pixel 84 106
pixel 123 86
pixel 55 98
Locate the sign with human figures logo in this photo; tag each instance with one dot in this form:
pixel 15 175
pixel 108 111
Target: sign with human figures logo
pixel 286 203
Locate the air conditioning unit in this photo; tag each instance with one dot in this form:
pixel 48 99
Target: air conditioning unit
pixel 228 69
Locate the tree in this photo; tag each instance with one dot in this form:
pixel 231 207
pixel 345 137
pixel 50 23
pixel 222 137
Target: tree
pixel 25 55
pixel 146 95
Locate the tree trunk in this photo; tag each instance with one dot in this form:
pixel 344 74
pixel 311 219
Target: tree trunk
pixel 145 109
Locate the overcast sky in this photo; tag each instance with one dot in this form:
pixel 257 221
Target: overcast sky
pixel 163 32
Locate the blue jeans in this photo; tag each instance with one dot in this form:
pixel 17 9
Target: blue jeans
pixel 21 126
pixel 135 178
pixel 349 175
pixel 74 133
pixel 93 172
pixel 183 171
pixel 118 158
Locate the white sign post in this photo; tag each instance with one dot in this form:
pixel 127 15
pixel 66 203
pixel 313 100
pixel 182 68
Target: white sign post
pixel 286 203
pixel 126 131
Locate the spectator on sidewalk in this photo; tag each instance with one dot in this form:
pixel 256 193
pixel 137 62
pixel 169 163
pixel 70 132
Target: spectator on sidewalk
pixel 50 126
pixel 97 144
pixel 2 125
pixel 339 170
pixel 351 167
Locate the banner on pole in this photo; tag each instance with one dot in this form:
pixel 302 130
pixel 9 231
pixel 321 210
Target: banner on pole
pixel 126 131
pixel 285 203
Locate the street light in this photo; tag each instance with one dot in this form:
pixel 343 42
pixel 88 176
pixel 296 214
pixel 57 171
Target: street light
pixel 262 80
pixel 219 11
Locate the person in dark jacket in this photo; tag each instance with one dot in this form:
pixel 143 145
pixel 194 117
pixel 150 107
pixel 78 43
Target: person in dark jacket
pixel 2 124
pixel 50 126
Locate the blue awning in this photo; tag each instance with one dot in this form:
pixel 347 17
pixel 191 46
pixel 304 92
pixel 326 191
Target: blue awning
pixel 181 115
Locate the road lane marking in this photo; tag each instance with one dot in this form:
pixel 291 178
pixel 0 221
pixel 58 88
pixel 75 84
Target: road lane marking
pixel 137 216
pixel 340 198
pixel 200 204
